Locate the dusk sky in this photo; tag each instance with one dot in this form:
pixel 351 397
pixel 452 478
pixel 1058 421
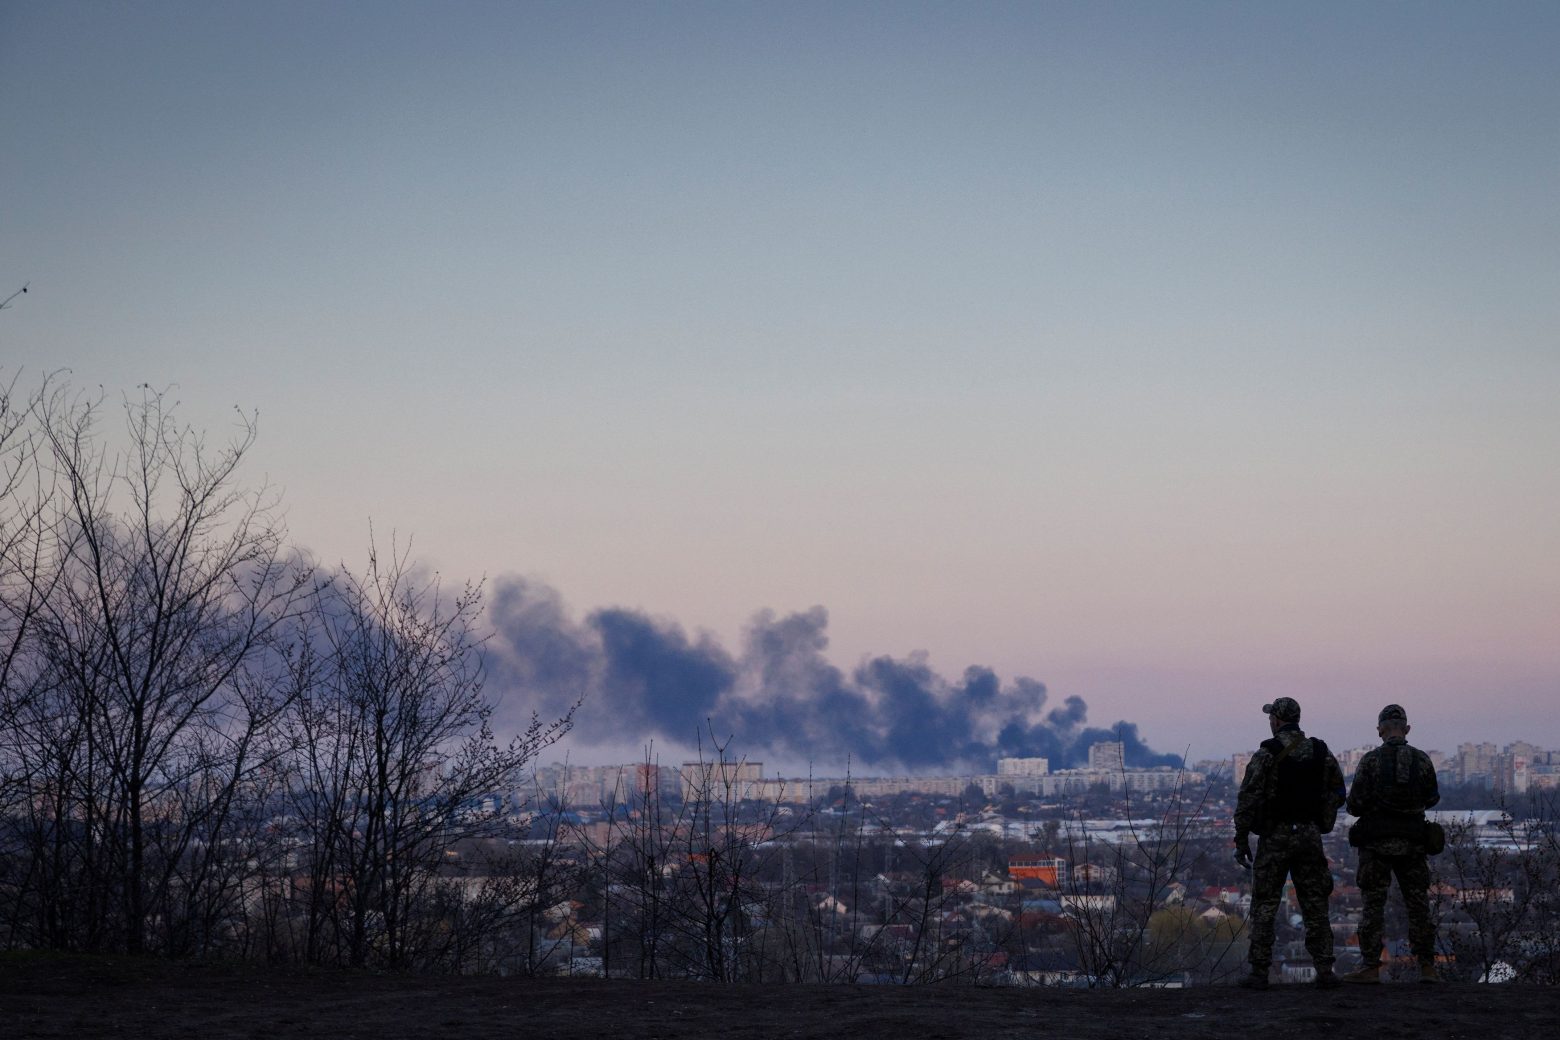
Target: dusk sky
pixel 1176 355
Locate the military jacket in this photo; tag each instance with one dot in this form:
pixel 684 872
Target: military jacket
pixel 1252 809
pixel 1395 780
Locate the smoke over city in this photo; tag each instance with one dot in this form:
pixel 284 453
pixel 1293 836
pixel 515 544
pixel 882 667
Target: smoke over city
pixel 640 678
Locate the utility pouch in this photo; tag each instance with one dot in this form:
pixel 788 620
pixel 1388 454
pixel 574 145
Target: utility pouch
pixel 1434 839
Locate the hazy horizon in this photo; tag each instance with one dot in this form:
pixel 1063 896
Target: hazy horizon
pixel 1174 356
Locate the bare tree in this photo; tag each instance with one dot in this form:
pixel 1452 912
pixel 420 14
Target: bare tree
pixel 25 499
pixel 1496 894
pixel 173 679
pixel 697 886
pixel 1116 893
pixel 156 586
pixel 637 860
pixel 395 742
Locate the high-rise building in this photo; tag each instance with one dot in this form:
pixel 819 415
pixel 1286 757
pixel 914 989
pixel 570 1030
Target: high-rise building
pixel 1476 762
pixel 1238 765
pixel 1107 756
pixel 1023 766
pixel 1349 760
pixel 721 781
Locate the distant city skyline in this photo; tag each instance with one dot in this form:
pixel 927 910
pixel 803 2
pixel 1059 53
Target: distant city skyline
pixel 1514 767
pixel 1174 356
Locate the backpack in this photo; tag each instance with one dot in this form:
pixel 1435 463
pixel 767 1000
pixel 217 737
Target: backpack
pixel 1296 788
pixel 1401 816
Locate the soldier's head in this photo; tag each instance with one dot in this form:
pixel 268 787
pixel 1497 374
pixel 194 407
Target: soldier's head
pixel 1284 711
pixel 1392 722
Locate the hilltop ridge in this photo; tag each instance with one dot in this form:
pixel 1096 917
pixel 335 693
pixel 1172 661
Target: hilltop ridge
pixel 72 996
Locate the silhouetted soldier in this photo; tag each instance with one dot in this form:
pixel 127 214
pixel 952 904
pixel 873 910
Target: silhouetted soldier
pixel 1393 787
pixel 1289 799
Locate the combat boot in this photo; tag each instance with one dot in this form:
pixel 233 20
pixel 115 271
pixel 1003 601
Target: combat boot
pixel 1368 974
pixel 1258 979
pixel 1325 979
pixel 1427 972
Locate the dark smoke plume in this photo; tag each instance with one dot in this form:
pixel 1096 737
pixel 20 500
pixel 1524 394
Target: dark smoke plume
pixel 642 678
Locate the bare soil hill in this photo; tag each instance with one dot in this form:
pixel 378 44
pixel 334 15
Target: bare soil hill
pixel 67 996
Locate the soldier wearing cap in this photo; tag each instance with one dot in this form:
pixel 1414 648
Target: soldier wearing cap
pixel 1393 786
pixel 1289 798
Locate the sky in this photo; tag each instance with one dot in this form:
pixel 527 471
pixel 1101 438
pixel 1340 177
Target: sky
pixel 1175 355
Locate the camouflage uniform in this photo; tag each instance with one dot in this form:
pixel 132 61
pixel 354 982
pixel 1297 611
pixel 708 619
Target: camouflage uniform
pixel 1288 848
pixel 1394 781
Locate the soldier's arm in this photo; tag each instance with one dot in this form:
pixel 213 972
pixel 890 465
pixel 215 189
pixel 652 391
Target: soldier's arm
pixel 1432 787
pixel 1249 803
pixel 1332 782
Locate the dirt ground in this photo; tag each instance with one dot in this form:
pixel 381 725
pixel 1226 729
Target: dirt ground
pixel 55 996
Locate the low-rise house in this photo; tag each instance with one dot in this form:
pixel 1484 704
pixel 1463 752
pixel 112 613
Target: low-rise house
pixel 1057 967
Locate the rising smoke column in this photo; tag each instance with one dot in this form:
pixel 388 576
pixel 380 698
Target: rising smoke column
pixel 643 678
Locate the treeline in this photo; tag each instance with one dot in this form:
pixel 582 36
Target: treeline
pixel 175 678
pixel 212 746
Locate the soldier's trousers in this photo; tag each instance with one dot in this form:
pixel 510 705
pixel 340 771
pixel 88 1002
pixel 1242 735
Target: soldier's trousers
pixel 1413 877
pixel 1294 853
